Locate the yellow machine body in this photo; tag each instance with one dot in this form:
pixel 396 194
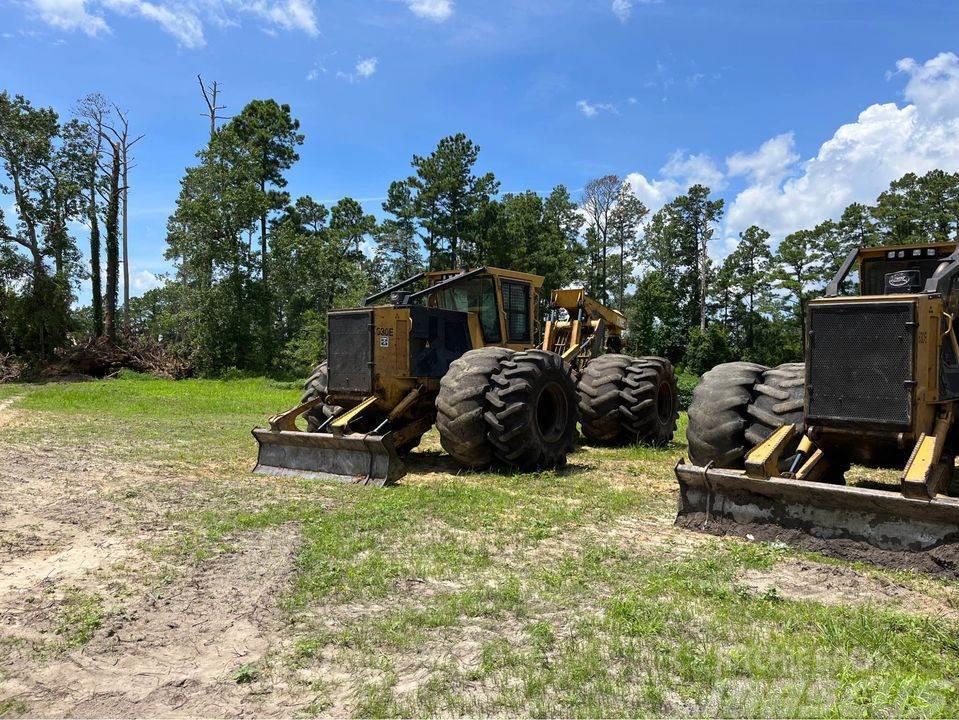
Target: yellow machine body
pixel 386 362
pixel 882 383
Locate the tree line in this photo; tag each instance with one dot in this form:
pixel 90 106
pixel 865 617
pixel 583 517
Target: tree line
pixel 256 269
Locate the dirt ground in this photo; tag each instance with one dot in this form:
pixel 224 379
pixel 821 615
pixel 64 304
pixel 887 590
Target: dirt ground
pixel 173 652
pixel 182 641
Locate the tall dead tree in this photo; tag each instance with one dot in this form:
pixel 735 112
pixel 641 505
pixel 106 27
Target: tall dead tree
pixel 210 93
pixel 94 109
pixel 122 133
pixel 111 223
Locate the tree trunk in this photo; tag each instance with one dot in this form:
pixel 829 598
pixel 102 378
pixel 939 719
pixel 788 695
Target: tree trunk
pixel 95 278
pixel 113 245
pixel 622 273
pixel 126 257
pixel 702 259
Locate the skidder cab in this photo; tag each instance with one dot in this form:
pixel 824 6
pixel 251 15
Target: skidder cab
pixel 770 448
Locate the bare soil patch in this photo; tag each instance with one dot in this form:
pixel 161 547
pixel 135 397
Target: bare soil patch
pixel 839 585
pixel 200 645
pixel 199 648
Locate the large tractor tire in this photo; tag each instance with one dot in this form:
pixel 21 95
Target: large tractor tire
pixel 461 404
pixel 316 386
pixel 778 400
pixel 532 410
pixel 625 400
pixel 718 414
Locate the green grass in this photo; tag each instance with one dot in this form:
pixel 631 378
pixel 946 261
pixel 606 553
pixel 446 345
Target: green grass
pixel 196 422
pixel 79 617
pixel 13 707
pixel 556 593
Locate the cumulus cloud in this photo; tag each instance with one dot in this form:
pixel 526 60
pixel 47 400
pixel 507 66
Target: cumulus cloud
pixel 365 68
pixel 770 163
pixel 679 172
pixel 861 158
pixel 782 192
pixel 183 19
pixel 143 280
pixel 435 10
pixel 593 109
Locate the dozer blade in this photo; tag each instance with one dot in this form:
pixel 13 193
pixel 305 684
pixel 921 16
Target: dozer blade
pixel 879 526
pixel 353 458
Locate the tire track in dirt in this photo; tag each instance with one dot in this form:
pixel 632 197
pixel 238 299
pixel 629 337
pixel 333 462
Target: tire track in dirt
pixel 175 650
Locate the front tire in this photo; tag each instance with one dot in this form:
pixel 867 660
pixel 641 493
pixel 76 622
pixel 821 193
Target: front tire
pixel 778 400
pixel 718 415
pixel 533 410
pixel 625 400
pixel 461 404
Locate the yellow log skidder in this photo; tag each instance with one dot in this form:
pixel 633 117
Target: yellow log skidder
pixel 770 448
pixel 462 353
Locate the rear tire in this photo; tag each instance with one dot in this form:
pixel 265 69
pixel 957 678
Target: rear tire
pixel 625 400
pixel 532 410
pixel 778 400
pixel 461 403
pixel 718 415
pixel 317 386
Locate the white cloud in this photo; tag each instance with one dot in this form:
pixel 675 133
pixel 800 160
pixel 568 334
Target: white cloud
pixel 143 280
pixel 70 15
pixel 771 163
pixel 284 14
pixel 861 158
pixel 782 193
pixel 181 23
pixel 678 174
pixel 436 10
pixel 593 109
pixel 622 9
pixel 183 19
pixel 366 67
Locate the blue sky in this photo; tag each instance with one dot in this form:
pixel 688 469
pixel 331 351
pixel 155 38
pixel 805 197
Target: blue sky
pixel 789 109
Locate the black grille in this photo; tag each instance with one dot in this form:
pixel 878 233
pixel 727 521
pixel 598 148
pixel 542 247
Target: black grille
pixel 350 351
pixel 861 363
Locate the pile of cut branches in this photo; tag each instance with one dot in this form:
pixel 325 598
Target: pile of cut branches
pixel 98 357
pixel 10 368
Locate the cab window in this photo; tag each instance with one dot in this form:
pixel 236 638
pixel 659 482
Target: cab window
pixel 516 306
pixel 477 296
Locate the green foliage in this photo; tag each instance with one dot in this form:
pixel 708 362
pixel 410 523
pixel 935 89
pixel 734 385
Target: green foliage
pixel 686 382
pixel 707 348
pixel 42 161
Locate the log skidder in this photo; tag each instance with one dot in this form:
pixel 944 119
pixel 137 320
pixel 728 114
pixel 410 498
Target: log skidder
pixel 625 400
pixel 462 353
pixel 770 449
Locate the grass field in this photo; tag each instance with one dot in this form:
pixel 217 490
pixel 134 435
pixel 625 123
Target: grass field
pixel 549 594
